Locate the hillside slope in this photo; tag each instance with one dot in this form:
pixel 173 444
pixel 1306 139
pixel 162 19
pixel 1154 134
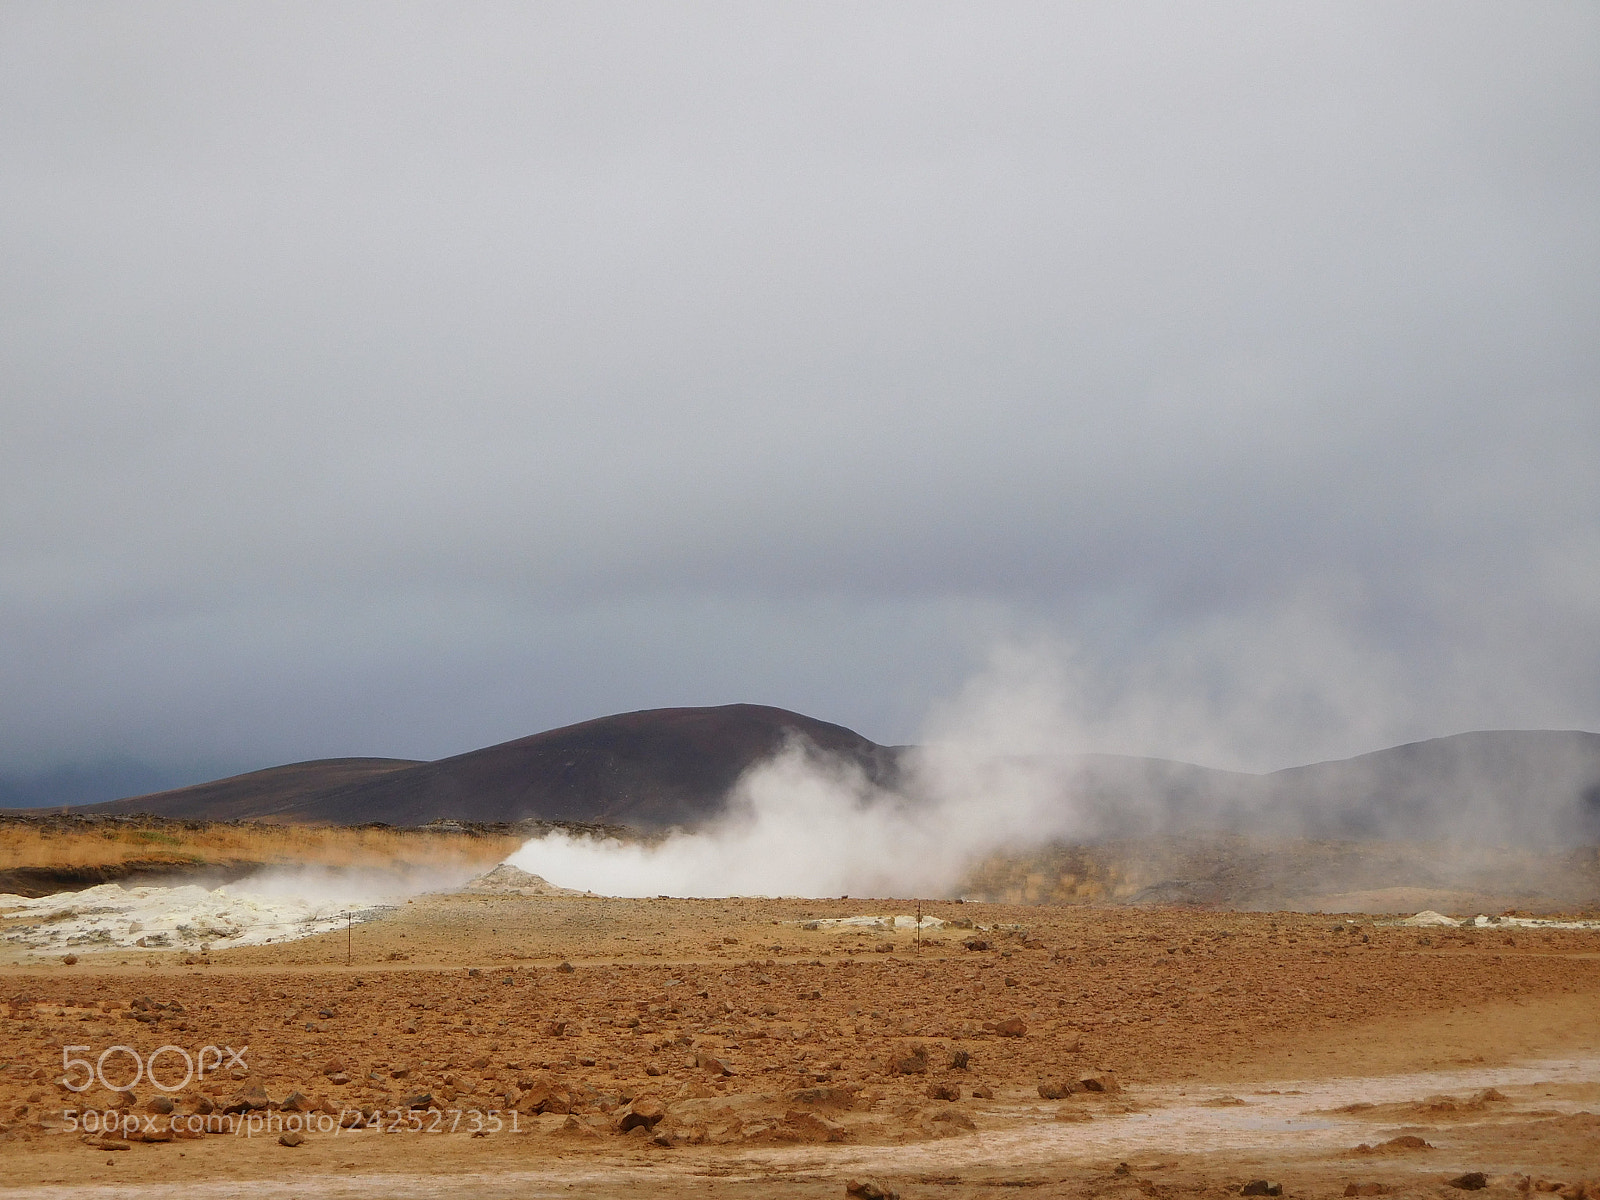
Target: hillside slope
pixel 649 769
pixel 257 794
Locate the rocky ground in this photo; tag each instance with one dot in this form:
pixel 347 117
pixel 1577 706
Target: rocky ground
pixel 517 1045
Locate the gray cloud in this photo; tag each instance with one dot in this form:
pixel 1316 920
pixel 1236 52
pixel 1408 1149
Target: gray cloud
pixel 392 379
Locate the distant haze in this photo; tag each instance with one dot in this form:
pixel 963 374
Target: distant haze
pixel 396 380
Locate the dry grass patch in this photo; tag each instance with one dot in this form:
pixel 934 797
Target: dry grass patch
pixel 24 845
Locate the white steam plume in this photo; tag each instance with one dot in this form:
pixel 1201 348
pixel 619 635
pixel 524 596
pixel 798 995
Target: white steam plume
pixel 803 824
pixel 1010 764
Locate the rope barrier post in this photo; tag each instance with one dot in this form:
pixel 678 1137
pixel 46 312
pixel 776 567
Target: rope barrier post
pixel 917 937
pixel 349 926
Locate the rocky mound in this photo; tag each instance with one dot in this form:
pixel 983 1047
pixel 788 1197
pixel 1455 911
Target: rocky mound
pixel 506 880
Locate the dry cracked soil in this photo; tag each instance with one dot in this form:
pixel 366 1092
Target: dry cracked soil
pixel 517 1046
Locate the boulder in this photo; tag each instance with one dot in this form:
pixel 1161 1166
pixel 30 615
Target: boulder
pixel 644 1113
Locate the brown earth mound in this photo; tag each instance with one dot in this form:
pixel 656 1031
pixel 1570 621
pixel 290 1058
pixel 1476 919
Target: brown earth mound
pixel 650 769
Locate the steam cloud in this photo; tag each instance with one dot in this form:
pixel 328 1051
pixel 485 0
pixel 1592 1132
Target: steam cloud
pixel 1006 765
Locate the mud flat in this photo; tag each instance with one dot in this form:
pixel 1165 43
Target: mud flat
pixel 523 1045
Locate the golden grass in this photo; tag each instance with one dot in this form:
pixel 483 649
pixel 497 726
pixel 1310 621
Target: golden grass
pixel 26 845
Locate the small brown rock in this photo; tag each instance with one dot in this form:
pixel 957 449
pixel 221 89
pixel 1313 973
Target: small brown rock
pixel 251 1100
pixel 912 1062
pixel 869 1189
pixel 292 1139
pixel 707 1061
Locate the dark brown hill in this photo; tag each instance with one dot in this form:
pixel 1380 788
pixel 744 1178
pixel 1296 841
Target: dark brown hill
pixel 650 770
pixel 256 794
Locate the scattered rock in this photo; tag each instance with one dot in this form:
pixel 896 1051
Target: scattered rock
pixel 1104 1082
pixel 645 1112
pixel 912 1062
pixel 1261 1187
pixel 1398 1145
pixel 869 1189
pixel 1011 1027
pixel 72 960
pixel 297 1102
pixel 1056 1089
pixel 943 1091
pixel 948 1122
pixel 292 1139
pixel 252 1100
pixel 823 1097
pixel 1472 1181
pixel 707 1061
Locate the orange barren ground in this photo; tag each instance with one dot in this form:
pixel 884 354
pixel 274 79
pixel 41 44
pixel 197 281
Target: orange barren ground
pixel 521 1046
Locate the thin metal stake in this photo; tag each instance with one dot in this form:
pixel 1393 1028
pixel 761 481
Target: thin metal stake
pixel 349 924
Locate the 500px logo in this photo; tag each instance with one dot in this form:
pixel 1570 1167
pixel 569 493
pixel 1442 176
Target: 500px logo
pixel 81 1073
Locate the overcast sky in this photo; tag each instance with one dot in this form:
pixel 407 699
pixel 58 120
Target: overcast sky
pixel 398 379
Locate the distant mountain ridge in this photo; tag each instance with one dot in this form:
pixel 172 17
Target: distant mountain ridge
pixel 1505 787
pixel 660 768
